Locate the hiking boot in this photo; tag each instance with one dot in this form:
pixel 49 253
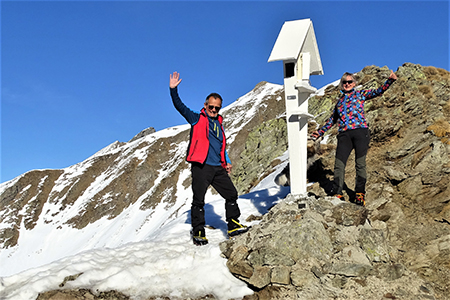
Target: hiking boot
pixel 360 199
pixel 235 228
pixel 199 237
pixel 339 196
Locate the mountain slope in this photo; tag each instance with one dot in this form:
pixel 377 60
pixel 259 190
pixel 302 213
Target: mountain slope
pixel 121 194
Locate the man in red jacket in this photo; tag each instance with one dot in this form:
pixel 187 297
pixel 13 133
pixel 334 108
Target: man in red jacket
pixel 210 162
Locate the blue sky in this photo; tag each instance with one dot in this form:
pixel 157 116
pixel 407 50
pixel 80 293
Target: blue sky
pixel 78 75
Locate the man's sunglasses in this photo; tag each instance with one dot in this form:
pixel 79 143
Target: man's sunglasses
pixel 211 107
pixel 347 82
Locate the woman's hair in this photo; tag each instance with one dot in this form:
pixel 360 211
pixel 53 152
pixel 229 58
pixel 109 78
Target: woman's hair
pixel 344 78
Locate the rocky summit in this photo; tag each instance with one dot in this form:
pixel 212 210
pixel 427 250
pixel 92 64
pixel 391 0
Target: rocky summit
pixel 316 247
pixel 398 246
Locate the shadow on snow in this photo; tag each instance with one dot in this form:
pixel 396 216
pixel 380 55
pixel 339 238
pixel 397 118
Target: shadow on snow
pixel 263 200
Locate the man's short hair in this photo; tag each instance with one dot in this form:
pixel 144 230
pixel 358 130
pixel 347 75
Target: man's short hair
pixel 215 96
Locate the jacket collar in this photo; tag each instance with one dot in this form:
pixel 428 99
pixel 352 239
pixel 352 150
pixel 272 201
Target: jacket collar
pixel 203 111
pixel 349 92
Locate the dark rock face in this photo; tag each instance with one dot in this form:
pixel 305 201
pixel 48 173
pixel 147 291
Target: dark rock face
pixel 264 144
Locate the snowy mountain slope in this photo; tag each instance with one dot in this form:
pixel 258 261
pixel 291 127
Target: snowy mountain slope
pixel 48 236
pixel 122 194
pixel 163 263
pixel 241 112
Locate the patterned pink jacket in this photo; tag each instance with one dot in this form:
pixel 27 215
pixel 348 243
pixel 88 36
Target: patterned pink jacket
pixel 349 110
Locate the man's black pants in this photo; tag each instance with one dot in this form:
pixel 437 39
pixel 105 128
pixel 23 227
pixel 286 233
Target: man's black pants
pixel 202 177
pixel 357 139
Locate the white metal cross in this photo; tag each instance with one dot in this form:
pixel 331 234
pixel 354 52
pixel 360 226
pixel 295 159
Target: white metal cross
pixel 296 46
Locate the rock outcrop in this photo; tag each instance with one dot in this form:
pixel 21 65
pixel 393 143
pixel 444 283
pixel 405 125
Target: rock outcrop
pixel 264 144
pixel 327 250
pixel 143 133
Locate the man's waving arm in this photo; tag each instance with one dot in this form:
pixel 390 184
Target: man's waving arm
pixel 190 116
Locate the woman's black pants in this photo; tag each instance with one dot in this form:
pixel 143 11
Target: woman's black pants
pixel 357 139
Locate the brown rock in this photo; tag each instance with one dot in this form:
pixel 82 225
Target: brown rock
pixel 281 275
pixel 348 214
pixel 261 276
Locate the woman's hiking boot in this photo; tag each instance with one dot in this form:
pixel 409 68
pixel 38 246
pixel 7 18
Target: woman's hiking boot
pixel 360 199
pixel 339 196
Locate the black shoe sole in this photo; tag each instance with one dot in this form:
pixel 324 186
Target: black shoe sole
pixel 199 243
pixel 238 232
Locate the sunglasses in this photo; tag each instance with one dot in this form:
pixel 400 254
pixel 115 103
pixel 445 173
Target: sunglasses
pixel 211 107
pixel 347 82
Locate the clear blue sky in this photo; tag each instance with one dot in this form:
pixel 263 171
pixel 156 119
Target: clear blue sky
pixel 78 75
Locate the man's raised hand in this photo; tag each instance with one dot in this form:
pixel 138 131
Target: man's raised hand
pixel 174 80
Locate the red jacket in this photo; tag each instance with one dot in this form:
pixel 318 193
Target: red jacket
pixel 199 141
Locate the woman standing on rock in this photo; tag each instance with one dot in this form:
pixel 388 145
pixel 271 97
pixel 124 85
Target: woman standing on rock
pixel 353 133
